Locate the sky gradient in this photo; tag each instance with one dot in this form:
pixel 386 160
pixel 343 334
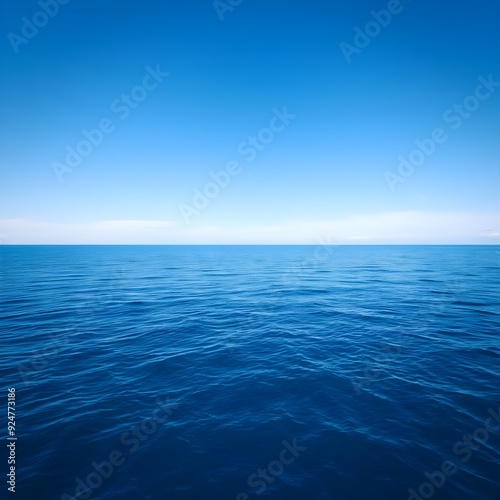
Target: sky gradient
pixel 199 122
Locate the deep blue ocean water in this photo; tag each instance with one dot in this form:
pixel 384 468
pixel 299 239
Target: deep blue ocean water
pixel 252 372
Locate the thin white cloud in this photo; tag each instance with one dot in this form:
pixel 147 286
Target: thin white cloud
pixel 381 228
pixel 389 228
pixel 488 233
pixel 23 231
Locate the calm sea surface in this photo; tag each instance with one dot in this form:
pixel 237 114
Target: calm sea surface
pixel 252 372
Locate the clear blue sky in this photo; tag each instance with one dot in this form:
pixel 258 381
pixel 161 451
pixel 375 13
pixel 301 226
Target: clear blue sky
pixel 329 171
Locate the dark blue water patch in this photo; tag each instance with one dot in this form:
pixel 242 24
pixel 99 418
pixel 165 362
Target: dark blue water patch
pixel 197 364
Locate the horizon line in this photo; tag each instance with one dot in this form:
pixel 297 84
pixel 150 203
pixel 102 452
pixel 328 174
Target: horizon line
pixel 246 244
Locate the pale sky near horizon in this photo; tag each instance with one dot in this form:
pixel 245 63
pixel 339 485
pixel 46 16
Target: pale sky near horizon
pixel 200 123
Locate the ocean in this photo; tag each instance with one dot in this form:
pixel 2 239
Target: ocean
pixel 247 372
